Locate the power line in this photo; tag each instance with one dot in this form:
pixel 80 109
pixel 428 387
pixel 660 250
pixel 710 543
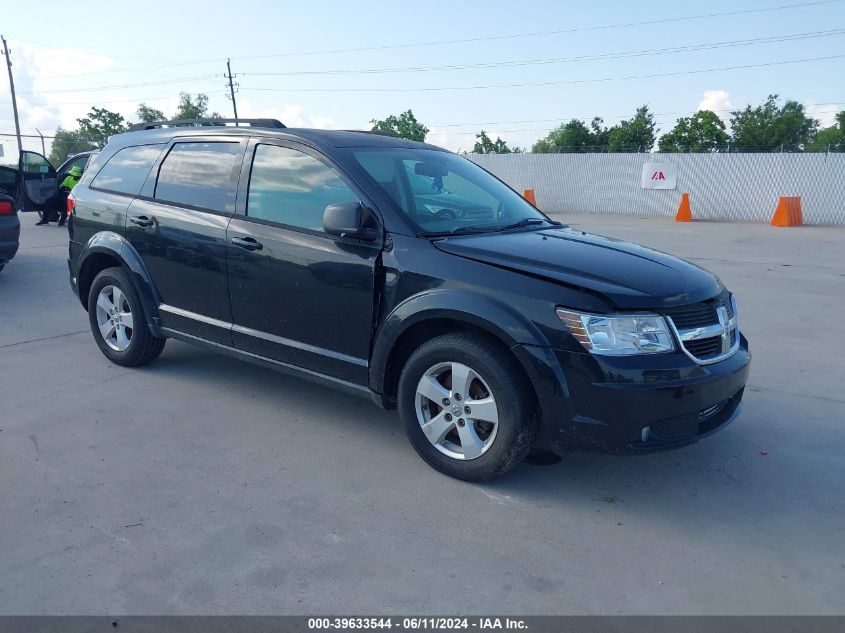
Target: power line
pixel 550 129
pixel 133 70
pixel 557 83
pixel 702 16
pixel 545 33
pixel 162 82
pixel 130 100
pixel 587 118
pixel 558 60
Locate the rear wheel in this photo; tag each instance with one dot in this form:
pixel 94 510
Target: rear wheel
pixel 465 410
pixel 117 320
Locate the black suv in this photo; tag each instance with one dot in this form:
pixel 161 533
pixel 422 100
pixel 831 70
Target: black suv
pixel 406 274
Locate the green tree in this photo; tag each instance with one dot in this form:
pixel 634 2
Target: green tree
pixel 830 138
pixel 704 131
pixel 99 125
pixel 567 137
pixel 637 133
pixel 599 133
pixel 190 108
pixel 483 145
pixel 66 143
pixel 403 126
pixel 146 114
pixel 771 126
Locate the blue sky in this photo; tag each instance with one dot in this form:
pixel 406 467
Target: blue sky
pixel 102 55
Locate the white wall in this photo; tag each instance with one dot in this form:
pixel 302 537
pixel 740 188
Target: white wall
pixel 741 187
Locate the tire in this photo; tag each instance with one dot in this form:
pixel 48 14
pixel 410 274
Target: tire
pixel 467 447
pixel 137 346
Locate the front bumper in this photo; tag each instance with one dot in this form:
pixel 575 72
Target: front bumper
pixel 603 403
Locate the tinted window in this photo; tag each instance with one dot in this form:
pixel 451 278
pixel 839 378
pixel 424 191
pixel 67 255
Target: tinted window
pixel 199 174
pixel 291 187
pixel 81 162
pixel 443 192
pixel 35 164
pixel 127 170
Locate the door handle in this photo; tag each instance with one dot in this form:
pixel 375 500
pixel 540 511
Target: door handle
pixel 141 220
pixel 247 243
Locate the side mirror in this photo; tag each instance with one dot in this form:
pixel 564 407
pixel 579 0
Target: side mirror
pixel 346 219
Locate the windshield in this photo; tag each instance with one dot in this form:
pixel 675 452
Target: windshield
pixel 443 193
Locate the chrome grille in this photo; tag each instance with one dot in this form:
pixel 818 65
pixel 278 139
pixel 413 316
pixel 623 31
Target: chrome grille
pixel 708 331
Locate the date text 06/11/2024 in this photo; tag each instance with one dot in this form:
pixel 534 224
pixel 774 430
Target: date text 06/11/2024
pixel 418 623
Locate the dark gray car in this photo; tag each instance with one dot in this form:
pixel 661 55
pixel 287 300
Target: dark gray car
pixel 10 229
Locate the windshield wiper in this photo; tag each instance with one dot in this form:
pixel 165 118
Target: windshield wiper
pixel 459 230
pixel 521 223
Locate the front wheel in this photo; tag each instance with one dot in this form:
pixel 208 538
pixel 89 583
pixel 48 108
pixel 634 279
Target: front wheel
pixel 466 411
pixel 117 320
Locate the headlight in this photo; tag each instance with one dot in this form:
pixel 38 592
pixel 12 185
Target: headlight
pixel 618 335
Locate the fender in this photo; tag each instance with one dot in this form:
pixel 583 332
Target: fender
pixel 115 245
pixel 473 308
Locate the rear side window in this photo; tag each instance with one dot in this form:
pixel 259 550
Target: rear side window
pixel 290 187
pixel 199 175
pixel 126 171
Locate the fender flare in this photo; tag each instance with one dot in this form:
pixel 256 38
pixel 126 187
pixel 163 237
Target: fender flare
pixel 116 246
pixel 499 320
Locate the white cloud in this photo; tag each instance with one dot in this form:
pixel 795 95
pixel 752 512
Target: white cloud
pixel 716 100
pixel 289 114
pixel 824 112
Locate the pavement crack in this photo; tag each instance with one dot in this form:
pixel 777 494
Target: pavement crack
pixel 43 338
pixel 76 388
pixel 793 393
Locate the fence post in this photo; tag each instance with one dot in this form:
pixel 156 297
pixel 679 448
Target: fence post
pixel 43 149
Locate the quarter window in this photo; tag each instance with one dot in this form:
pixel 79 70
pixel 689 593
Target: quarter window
pixel 200 175
pixel 127 170
pixel 290 187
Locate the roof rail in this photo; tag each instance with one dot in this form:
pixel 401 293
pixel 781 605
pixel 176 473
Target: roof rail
pixel 376 132
pixel 272 123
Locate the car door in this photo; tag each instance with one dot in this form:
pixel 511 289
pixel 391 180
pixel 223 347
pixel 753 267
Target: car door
pixel 298 295
pixel 178 226
pixel 80 160
pixel 39 184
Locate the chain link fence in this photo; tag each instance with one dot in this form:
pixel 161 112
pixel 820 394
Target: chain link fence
pixel 722 186
pixel 43 144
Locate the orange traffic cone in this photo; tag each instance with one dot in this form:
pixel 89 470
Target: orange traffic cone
pixel 529 195
pixel 788 212
pixel 684 212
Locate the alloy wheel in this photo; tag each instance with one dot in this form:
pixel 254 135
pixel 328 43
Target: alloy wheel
pixel 457 410
pixel 114 318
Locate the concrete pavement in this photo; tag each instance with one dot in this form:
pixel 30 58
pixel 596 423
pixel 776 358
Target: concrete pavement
pixel 200 484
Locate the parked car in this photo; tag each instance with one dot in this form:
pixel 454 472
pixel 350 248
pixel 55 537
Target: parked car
pixel 10 229
pixel 490 327
pixel 34 184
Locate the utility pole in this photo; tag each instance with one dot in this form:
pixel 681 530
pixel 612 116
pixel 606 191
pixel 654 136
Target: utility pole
pixel 14 100
pixel 231 89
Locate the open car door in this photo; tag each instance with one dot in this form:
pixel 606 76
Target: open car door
pixel 39 184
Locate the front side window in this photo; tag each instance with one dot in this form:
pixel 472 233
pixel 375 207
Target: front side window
pixel 442 192
pixel 127 170
pixel 290 187
pixel 199 175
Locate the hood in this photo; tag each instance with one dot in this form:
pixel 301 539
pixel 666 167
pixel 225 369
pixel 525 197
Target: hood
pixel 628 275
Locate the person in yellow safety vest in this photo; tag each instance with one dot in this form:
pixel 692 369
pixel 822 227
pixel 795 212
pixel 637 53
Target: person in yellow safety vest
pixel 66 187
